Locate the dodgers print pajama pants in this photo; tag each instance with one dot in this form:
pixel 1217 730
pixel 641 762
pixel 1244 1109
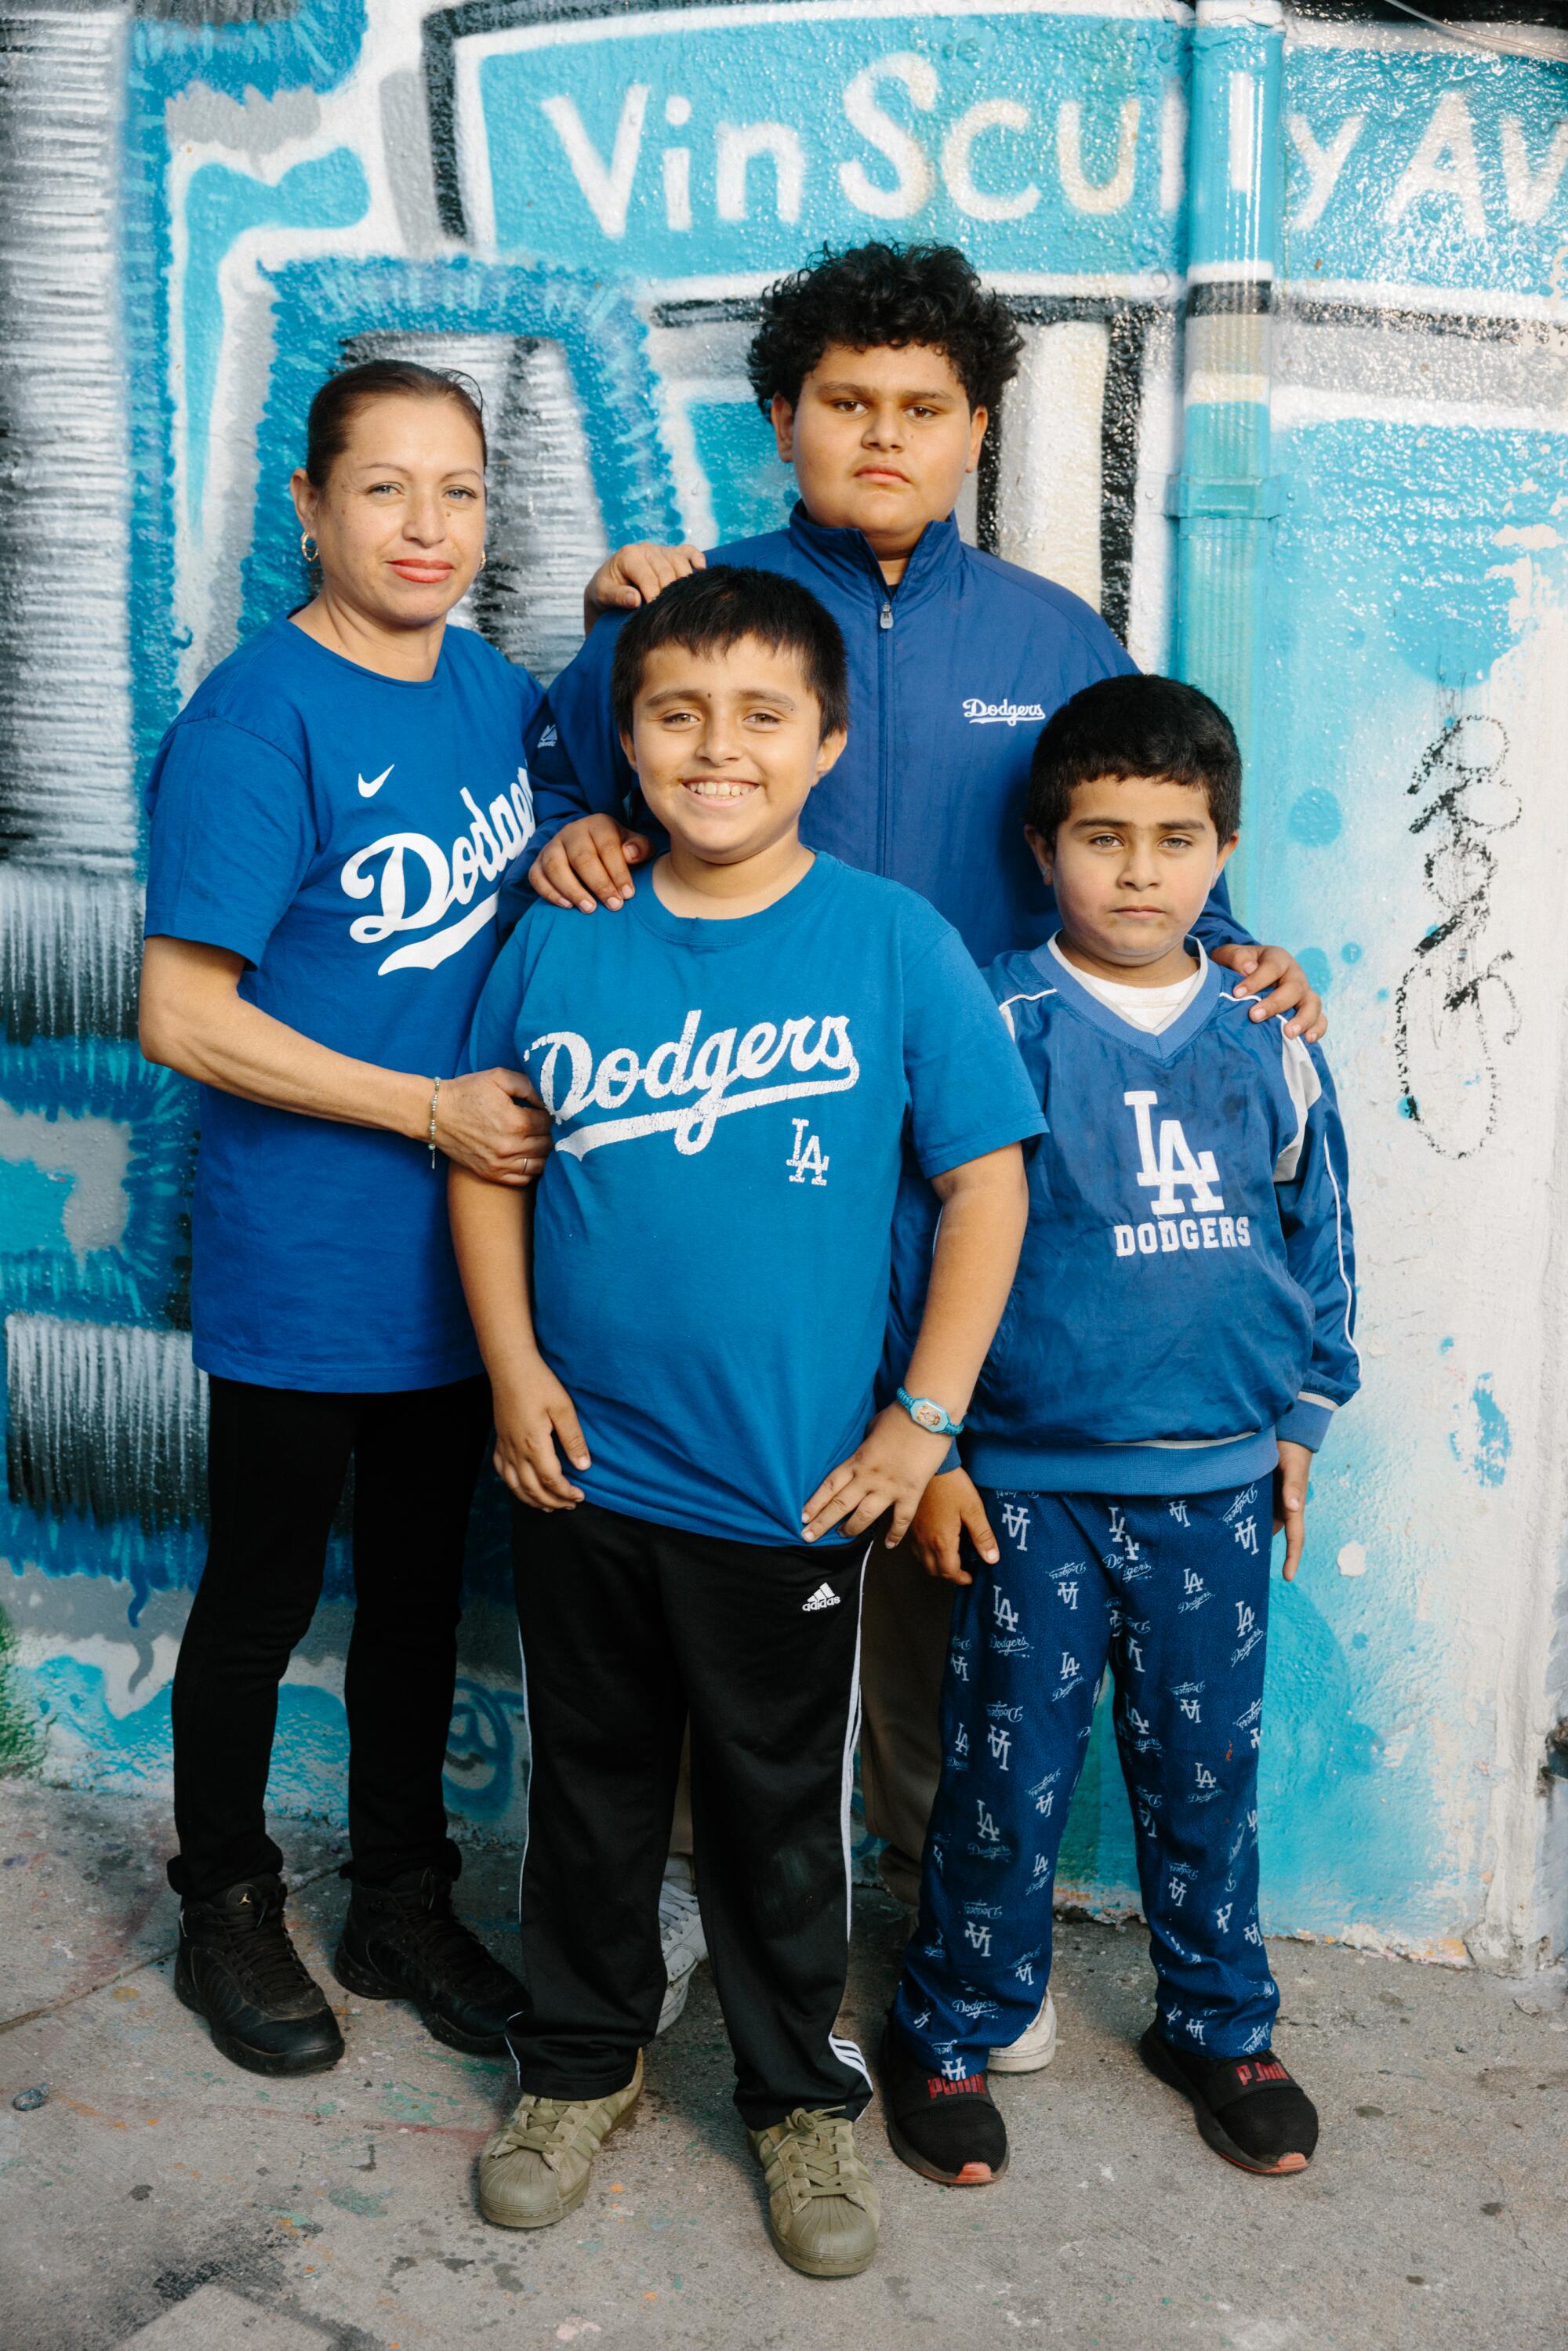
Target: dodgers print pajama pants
pixel 1173 1595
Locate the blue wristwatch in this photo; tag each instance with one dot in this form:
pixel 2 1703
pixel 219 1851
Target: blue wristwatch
pixel 928 1415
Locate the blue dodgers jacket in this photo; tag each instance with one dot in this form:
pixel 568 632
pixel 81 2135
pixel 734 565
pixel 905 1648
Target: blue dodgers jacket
pixel 951 676
pixel 1185 1293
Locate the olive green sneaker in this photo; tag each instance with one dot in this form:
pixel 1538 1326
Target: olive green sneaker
pixel 822 2204
pixel 537 2169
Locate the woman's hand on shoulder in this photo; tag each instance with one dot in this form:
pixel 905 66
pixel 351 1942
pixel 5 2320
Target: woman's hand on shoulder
pixel 493 1123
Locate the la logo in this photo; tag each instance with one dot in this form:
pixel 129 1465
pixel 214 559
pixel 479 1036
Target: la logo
pixel 1172 1167
pixel 807 1159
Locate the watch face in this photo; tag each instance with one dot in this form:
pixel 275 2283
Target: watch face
pixel 930 1416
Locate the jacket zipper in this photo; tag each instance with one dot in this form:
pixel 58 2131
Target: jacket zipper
pixel 884 653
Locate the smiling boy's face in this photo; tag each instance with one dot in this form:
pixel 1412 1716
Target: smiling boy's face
pixel 881 441
pixel 1131 865
pixel 726 746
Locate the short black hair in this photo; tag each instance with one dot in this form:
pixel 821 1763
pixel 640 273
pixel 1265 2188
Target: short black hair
pixel 1127 727
pixel 708 611
pixel 872 296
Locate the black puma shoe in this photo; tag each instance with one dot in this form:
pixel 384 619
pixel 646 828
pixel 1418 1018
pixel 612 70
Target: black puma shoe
pixel 1247 2109
pixel 237 1968
pixel 404 1941
pixel 945 2129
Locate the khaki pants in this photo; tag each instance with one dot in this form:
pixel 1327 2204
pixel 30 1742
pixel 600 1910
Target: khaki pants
pixel 905 1623
pixel 904 1651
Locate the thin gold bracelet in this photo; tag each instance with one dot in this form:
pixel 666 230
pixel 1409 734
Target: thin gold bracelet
pixel 435 1098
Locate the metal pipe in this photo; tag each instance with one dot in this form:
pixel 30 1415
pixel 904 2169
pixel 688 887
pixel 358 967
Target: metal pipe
pixel 1224 498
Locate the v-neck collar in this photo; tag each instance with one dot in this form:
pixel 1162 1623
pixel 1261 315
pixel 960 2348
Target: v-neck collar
pixel 1161 1046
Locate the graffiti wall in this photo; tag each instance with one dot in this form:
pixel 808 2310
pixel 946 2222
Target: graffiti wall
pixel 1292 413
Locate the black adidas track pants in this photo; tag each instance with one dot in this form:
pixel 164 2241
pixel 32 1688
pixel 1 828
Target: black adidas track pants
pixel 628 1627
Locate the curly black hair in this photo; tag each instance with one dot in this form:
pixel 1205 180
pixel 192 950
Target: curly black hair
pixel 874 295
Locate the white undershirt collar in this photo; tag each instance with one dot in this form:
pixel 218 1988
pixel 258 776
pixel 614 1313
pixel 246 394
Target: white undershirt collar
pixel 1152 1010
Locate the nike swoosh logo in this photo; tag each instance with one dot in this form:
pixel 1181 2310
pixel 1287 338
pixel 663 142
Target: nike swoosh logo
pixel 368 791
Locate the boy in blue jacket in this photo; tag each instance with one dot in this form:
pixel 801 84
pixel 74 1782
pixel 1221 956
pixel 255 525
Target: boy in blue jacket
pixel 880 369
pixel 1178 1337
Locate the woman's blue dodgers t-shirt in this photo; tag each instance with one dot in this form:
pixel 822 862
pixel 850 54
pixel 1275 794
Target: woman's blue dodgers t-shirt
pixel 732 1101
pixel 346 833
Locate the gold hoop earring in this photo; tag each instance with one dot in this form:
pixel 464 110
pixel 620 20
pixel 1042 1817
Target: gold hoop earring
pixel 308 547
pixel 484 557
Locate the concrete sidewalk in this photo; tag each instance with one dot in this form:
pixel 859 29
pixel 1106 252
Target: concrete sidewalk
pixel 162 2198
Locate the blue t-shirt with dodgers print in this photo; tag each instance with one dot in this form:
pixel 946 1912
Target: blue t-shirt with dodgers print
pixel 732 1104
pixel 348 834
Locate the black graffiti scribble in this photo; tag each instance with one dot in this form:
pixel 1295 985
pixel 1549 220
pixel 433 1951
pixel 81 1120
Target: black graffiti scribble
pixel 1454 1007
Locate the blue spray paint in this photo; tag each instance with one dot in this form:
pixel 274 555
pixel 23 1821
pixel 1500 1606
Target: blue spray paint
pixel 1316 819
pixel 1487 1441
pixel 312 48
pixel 220 206
pixel 1319 971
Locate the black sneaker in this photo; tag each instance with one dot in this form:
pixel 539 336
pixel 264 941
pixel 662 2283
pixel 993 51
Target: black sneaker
pixel 404 1941
pixel 946 2130
pixel 237 1968
pixel 1248 2108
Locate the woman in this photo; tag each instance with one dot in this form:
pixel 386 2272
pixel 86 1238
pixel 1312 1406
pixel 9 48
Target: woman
pixel 332 815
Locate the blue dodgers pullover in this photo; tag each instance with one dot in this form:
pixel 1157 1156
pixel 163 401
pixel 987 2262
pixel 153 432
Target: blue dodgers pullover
pixel 952 675
pixel 1185 1293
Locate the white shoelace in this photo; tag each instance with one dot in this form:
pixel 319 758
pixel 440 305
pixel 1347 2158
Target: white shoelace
pixel 678 1906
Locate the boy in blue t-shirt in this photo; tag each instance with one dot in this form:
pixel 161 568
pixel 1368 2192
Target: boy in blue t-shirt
pixel 735 1069
pixel 1179 1336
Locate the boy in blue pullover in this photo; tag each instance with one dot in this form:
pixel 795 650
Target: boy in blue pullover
pixel 1178 1337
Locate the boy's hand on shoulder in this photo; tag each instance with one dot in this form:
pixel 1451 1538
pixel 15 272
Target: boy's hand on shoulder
pixel 949 1509
pixel 635 575
pixel 534 1414
pixel 590 858
pixel 889 1470
pixel 1291 1501
pixel 1280 985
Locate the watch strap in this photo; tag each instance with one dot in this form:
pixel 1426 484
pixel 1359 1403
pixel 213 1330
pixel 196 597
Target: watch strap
pixel 928 1415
